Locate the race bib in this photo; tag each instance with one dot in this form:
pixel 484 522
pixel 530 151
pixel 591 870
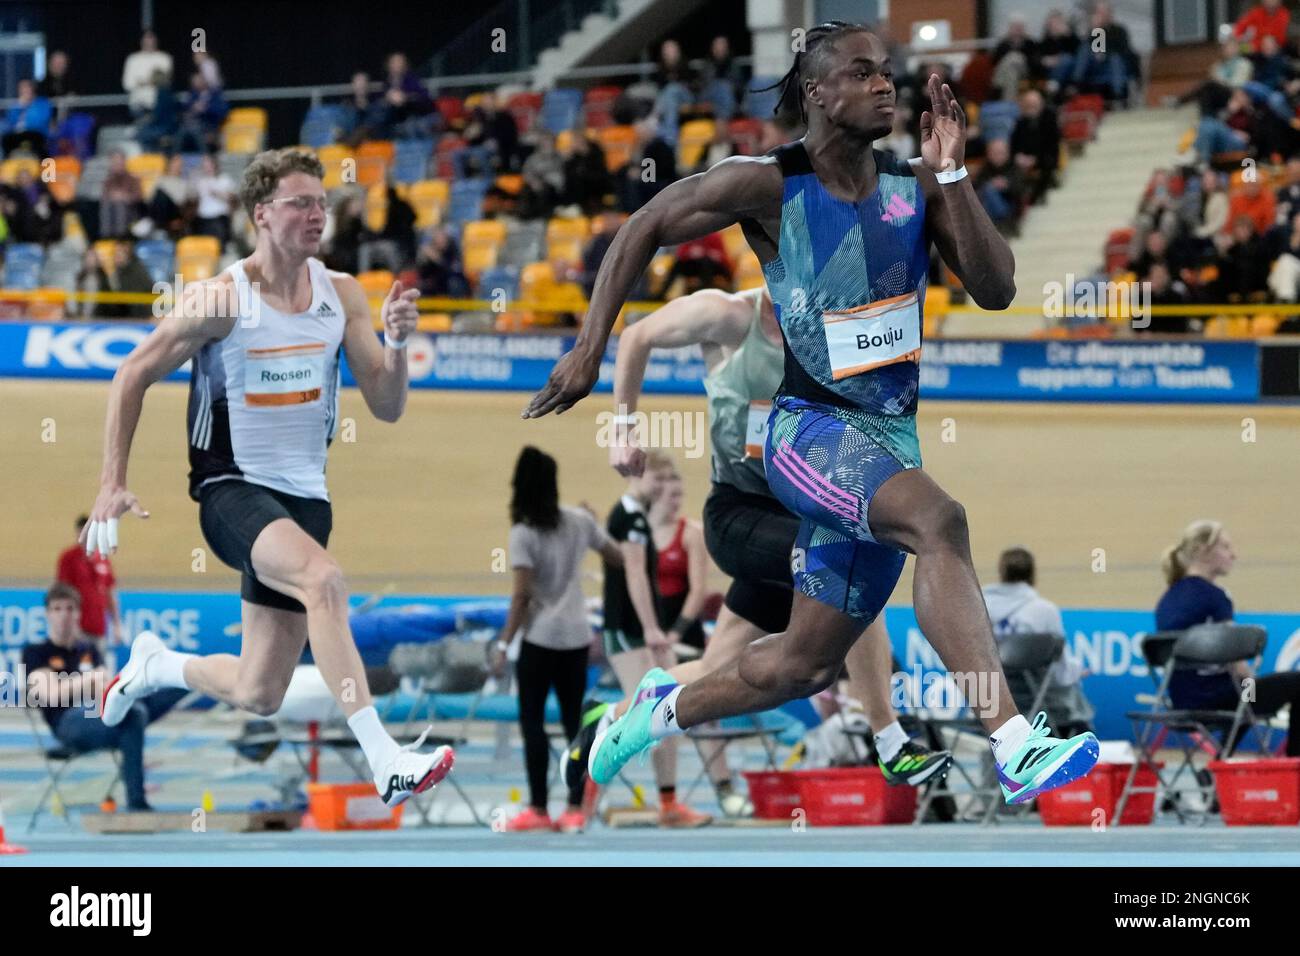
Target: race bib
pixel 756 428
pixel 869 336
pixel 289 375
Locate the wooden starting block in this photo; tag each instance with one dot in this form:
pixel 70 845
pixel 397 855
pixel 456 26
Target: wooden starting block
pixel 225 821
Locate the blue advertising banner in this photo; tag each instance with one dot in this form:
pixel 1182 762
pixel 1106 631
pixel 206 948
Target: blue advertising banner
pixel 1105 642
pixel 1043 370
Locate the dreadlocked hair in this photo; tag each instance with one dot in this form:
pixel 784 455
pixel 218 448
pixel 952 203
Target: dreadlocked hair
pixel 817 43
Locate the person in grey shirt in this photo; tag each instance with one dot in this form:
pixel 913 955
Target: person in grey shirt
pixel 548 611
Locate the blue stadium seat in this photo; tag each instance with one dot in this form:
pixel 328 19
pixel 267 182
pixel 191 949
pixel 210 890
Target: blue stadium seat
pixel 560 109
pixel 24 253
pixel 22 275
pixel 321 126
pixel 159 257
pixel 500 277
pixel 411 160
pixel 998 119
pixel 759 102
pixel 466 200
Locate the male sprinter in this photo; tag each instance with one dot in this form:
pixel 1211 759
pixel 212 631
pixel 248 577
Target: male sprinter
pixel 748 532
pixel 265 337
pixel 843 232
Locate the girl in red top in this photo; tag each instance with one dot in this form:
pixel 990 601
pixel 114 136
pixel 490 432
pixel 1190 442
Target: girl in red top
pixel 683 566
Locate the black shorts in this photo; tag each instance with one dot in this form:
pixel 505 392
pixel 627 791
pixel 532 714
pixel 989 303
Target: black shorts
pixel 669 609
pixel 750 538
pixel 232 513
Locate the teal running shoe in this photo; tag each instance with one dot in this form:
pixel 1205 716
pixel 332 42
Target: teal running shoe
pixel 630 734
pixel 1044 763
pixel 914 764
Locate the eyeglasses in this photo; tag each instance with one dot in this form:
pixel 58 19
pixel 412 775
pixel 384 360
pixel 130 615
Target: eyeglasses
pixel 302 203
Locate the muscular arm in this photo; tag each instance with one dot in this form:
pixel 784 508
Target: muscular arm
pixel 380 371
pixel 737 188
pixel 968 241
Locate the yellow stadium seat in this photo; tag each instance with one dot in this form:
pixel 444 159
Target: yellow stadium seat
pixel 749 273
pixel 376 282
pixel 692 140
pixel 197 257
pixel 435 322
pixel 333 157
pixel 478 257
pixel 618 142
pixel 106 253
pixel 1264 325
pixel 198 246
pixel 563 140
pixel 938 299
pixel 578 227
pixel 147 167
pixel 376 208
pixel 10 167
pixel 473 100
pixel 563 252
pixel 253 116
pixel 480 231
pixel 428 198
pixel 733 241
pixel 241 139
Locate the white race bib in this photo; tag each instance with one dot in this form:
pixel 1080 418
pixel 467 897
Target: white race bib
pixel 289 375
pixel 756 428
pixel 869 336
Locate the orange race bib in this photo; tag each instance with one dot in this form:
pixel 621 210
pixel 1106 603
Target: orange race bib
pixel 289 375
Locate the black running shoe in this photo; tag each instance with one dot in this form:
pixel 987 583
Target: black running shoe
pixel 575 755
pixel 914 764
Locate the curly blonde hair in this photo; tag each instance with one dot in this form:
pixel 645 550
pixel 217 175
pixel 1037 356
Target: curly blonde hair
pixel 263 175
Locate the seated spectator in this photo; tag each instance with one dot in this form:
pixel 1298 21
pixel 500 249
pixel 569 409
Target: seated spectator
pixel 1036 144
pixel 543 174
pixel 206 64
pixel 700 264
pixel 440 267
pixel 1015 58
pixel 399 226
pixel 119 202
pixel 363 112
pixel 38 217
pixel 1166 290
pixel 67 668
pixel 1156 248
pixel 27 125
pixel 217 196
pixel 721 80
pixel 174 202
pixel 1016 608
pixel 1102 65
pixel 138 73
pixel 1192 568
pixel 158 128
pixel 1001 187
pixel 1059 41
pixel 203 110
pixel 653 166
pixel 1270 66
pixel 129 274
pixel 1216 141
pixel 406 106
pixel 603 230
pixel 1253 200
pixel 1233 69
pixel 719 148
pixel 676 81
pixel 1205 212
pixel 1243 264
pixel 57 85
pixel 587 180
pixel 344 233
pixel 495 129
pixel 1269 18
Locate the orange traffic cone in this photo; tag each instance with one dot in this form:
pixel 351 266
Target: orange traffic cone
pixel 6 848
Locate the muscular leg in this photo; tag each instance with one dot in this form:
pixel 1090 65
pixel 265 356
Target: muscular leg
pixel 910 511
pixel 257 679
pixel 289 560
pixel 630 667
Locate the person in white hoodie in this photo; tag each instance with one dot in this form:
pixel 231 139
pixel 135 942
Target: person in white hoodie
pixel 1016 608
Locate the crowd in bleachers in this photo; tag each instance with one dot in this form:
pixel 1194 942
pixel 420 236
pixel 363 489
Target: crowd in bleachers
pixel 1223 226
pixel 513 191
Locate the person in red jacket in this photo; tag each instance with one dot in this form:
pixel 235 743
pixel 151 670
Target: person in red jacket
pixel 94 581
pixel 1268 18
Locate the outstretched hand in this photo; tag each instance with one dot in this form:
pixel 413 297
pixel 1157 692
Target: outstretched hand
pixel 943 129
pixel 571 380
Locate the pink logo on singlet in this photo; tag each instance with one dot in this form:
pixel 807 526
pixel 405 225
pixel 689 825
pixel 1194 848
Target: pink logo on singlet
pixel 897 209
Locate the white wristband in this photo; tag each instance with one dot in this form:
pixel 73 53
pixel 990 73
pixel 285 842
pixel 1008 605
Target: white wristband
pixel 951 176
pixel 395 345
pixel 625 419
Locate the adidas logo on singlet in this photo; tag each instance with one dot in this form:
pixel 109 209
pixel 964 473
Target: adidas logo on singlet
pixel 324 309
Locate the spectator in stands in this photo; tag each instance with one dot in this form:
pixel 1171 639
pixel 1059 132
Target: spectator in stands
pixel 202 112
pixel 543 174
pixel 217 196
pixel 39 217
pixel 603 229
pixel 27 125
pixel 719 148
pixel 1269 18
pixel 66 667
pixel 363 112
pixel 1059 41
pixel 1214 138
pixel 93 579
pixel 1288 197
pixel 1207 211
pixel 494 128
pixel 1015 58
pixel 206 64
pixel 1167 290
pixel 700 264
pixel 138 73
pixel 1036 144
pixel 1255 201
pixel 174 203
pixel 675 80
pixel 1016 608
pixel 399 227
pixel 722 80
pixel 119 202
pixel 440 266
pixel 1243 264
pixel 57 85
pixel 1192 569
pixel 1001 187
pixel 1156 249
pixel 1159 207
pixel 157 129
pixel 128 274
pixel 406 104
pixel 587 180
pixel 1100 63
pixel 1270 66
pixel 1284 277
pixel 652 168
pixel 344 233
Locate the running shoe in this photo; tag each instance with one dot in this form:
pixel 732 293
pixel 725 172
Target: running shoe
pixel 579 749
pixel 529 819
pixel 630 734
pixel 678 816
pixel 914 764
pixel 571 821
pixel 409 772
pixel 131 683
pixel 1044 762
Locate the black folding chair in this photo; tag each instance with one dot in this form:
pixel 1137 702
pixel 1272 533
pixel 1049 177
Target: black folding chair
pixel 58 760
pixel 1214 731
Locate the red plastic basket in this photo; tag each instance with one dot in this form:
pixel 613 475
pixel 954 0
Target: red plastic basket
pixel 1074 804
pixel 1258 792
pixel 834 797
pixel 351 806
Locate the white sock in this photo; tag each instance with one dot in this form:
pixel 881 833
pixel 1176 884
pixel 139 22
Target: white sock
pixel 890 741
pixel 663 719
pixel 168 669
pixel 1006 740
pixel 376 744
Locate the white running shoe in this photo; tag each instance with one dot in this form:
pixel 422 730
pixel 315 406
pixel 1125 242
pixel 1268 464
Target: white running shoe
pixel 130 684
pixel 410 772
